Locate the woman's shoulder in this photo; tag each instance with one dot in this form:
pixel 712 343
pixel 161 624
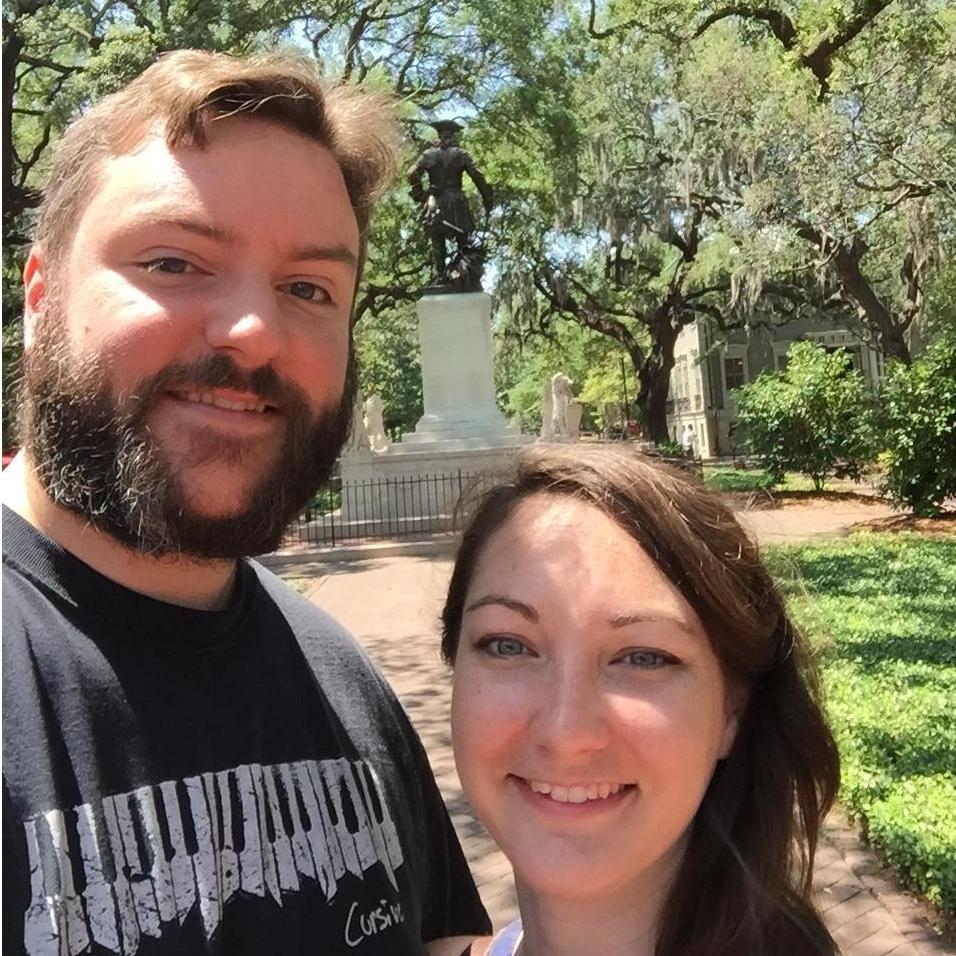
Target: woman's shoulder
pixel 452 946
pixel 503 943
pixel 506 941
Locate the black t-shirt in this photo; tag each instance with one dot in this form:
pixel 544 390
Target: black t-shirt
pixel 181 781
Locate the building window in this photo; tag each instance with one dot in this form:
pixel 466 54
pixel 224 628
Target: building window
pixel 734 373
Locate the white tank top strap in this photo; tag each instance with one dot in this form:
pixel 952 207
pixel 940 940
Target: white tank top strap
pixel 506 943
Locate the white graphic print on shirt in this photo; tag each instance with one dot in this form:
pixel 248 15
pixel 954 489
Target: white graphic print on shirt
pixel 150 856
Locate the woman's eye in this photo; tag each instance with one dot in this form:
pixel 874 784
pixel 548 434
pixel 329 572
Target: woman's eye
pixel 306 290
pixel 648 660
pixel 170 264
pixel 502 646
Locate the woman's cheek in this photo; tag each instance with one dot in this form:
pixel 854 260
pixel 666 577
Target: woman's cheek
pixel 485 708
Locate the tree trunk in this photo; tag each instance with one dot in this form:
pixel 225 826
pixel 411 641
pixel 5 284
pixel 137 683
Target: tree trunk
pixel 868 305
pixel 890 327
pixel 12 45
pixel 654 376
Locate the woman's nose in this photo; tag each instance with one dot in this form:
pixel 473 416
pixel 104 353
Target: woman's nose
pixel 570 718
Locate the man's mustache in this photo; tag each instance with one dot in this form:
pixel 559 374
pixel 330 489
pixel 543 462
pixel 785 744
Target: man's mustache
pixel 221 371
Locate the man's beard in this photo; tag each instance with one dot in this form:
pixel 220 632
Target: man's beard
pixel 97 458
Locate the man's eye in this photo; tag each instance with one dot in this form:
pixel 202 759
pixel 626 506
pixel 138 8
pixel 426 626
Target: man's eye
pixel 648 660
pixel 502 646
pixel 306 290
pixel 166 264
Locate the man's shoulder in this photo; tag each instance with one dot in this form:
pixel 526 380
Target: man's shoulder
pixel 295 607
pixel 329 646
pixel 24 595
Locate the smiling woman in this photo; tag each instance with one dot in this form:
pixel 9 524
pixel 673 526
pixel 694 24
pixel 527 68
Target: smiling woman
pixel 634 718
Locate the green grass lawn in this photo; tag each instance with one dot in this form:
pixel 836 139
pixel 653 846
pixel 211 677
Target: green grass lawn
pixel 881 610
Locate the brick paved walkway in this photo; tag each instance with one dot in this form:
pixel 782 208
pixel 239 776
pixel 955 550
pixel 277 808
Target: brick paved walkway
pixel 866 913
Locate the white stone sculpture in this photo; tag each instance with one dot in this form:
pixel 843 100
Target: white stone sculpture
pixel 374 425
pixel 358 438
pixel 547 414
pixel 574 414
pixel 561 398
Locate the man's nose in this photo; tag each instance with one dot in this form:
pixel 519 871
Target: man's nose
pixel 248 324
pixel 571 718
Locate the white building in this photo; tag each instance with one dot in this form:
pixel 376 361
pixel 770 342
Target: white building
pixel 705 372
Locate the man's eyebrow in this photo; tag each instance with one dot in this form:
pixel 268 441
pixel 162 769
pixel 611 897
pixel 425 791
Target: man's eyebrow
pixel 334 253
pixel 519 607
pixel 197 227
pixel 638 617
pixel 337 252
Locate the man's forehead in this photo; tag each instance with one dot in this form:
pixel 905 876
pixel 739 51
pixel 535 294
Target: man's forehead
pixel 230 143
pixel 209 193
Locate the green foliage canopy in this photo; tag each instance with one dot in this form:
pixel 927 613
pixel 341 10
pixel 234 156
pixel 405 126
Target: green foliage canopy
pixel 655 163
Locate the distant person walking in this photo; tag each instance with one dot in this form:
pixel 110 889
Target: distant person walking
pixel 689 442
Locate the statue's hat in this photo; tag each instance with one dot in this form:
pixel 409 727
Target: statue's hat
pixel 447 126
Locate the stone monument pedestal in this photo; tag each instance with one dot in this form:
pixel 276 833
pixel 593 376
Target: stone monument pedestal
pixel 458 377
pixel 461 443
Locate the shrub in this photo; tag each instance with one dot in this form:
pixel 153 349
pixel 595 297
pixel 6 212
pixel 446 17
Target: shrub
pixel 670 449
pixel 732 479
pixel 914 829
pixel 814 418
pixel 918 424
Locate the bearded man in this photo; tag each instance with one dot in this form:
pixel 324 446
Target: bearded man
pixel 196 760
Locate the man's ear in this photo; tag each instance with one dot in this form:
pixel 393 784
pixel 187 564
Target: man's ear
pixel 34 292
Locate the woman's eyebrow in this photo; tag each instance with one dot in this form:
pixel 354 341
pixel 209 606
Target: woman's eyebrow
pixel 519 607
pixel 643 617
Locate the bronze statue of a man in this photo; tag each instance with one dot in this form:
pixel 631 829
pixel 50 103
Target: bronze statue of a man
pixel 445 212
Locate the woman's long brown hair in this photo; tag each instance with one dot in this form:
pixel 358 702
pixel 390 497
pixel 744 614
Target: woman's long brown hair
pixel 744 887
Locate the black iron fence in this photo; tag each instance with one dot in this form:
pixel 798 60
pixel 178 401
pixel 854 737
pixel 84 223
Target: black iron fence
pixel 402 507
pixel 393 508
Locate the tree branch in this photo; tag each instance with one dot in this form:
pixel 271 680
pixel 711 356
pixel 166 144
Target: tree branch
pixel 845 260
pixel 819 59
pixel 781 26
pixel 550 283
pixel 377 298
pixel 355 37
pixel 611 31
pixel 43 63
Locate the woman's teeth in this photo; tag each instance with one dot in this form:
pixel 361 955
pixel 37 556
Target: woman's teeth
pixel 593 791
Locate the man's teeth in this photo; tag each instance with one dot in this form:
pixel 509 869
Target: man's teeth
pixel 593 791
pixel 209 398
